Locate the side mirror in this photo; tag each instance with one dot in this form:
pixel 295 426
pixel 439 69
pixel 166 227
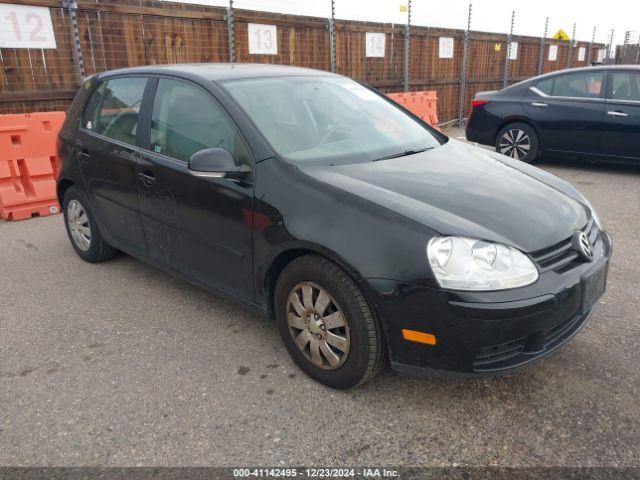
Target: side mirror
pixel 216 162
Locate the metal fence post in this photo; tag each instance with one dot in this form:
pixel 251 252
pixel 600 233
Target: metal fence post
pixel 332 36
pixel 407 45
pixel 593 39
pixel 231 33
pixel 543 42
pixel 571 40
pixel 505 77
pixel 463 73
pixel 72 7
pixel 623 50
pixel 609 47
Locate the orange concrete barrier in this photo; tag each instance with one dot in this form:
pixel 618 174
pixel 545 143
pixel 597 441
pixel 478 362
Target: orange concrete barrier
pixel 29 164
pixel 422 104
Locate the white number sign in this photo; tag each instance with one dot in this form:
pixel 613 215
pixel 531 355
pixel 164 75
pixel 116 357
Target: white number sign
pixel 446 47
pixel 553 53
pixel 22 26
pixel 375 44
pixel 513 51
pixel 582 53
pixel 263 39
pixel 600 55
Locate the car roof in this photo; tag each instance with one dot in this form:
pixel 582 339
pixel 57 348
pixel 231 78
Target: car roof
pixel 590 69
pixel 218 71
pixel 595 68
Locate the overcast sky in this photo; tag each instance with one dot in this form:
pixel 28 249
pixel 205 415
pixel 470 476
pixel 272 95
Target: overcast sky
pixel 488 15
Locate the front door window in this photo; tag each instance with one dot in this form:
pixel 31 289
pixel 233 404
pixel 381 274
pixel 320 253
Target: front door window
pixel 186 119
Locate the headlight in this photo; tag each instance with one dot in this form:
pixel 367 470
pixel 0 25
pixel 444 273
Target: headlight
pixel 461 263
pixel 593 212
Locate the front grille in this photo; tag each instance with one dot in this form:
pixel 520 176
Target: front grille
pixel 501 352
pixel 526 349
pixel 559 330
pixel 562 257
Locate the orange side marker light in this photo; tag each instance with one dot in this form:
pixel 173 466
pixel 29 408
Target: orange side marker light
pixel 418 337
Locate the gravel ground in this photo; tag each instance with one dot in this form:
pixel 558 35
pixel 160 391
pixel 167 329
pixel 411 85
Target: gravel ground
pixel 119 364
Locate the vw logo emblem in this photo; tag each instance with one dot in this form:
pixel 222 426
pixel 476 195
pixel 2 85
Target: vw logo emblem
pixel 582 245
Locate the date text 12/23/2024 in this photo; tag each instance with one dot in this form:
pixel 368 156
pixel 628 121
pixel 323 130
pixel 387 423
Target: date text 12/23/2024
pixel 315 473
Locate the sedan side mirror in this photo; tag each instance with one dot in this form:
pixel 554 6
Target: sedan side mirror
pixel 216 162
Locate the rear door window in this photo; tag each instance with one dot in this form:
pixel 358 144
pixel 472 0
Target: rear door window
pixel 578 85
pixel 625 86
pixel 114 108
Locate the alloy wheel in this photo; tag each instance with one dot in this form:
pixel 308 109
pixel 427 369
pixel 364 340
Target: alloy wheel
pixel 79 227
pixel 515 143
pixel 318 326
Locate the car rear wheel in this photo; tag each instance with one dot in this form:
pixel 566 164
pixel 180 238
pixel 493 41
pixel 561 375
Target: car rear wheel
pixel 82 228
pixel 326 323
pixel 518 141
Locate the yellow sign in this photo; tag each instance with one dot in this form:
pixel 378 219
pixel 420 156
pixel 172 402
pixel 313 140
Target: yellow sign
pixel 403 7
pixel 497 47
pixel 561 35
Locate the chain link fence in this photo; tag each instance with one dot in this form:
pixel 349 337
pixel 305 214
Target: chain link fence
pixel 94 36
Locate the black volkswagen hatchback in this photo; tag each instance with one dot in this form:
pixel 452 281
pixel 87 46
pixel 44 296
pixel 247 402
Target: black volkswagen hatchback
pixel 591 113
pixel 308 197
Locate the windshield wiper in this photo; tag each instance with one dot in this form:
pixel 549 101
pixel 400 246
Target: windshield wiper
pixel 404 153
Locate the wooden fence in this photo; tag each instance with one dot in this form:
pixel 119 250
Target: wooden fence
pixel 628 54
pixel 124 33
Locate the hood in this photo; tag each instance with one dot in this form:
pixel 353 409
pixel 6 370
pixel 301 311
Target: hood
pixel 459 189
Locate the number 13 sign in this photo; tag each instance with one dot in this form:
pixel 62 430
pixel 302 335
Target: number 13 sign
pixel 23 26
pixel 263 39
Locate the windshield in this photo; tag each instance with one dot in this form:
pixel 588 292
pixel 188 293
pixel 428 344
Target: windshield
pixel 330 120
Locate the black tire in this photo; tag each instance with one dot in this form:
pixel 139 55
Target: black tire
pixel 517 149
pixel 98 250
pixel 366 355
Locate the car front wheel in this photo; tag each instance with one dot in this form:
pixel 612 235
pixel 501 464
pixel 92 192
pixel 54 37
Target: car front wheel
pixel 519 141
pixel 326 323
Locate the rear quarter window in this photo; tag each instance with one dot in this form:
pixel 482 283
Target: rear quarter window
pixel 545 86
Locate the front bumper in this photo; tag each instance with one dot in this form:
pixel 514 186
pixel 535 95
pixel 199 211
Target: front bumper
pixel 485 334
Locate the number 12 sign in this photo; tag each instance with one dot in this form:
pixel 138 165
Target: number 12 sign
pixel 22 26
pixel 263 39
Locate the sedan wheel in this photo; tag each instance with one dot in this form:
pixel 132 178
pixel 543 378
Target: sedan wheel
pixel 318 326
pixel 519 141
pixel 515 143
pixel 79 226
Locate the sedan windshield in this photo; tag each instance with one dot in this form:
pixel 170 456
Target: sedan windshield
pixel 330 120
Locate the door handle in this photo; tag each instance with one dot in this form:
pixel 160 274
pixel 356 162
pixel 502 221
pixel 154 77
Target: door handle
pixel 147 178
pixel 83 153
pixel 539 104
pixel 617 113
